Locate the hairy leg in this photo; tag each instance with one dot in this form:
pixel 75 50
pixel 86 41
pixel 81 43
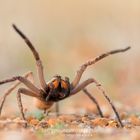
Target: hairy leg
pixel 57 108
pixel 25 92
pixel 83 67
pixel 81 86
pixel 89 81
pixel 36 56
pixel 94 101
pixel 9 90
pixel 24 81
pixel 98 85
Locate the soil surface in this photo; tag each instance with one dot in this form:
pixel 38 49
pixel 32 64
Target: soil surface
pixel 70 127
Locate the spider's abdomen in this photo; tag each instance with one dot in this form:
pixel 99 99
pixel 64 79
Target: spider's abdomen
pixel 43 105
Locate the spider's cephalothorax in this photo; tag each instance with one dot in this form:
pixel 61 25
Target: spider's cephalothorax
pixel 58 88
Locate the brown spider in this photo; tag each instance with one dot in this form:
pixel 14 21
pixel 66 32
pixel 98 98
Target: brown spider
pixel 58 88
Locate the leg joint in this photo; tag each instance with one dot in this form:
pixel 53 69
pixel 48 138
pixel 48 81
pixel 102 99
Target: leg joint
pixel 20 90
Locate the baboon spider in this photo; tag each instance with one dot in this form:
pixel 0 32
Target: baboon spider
pixel 58 88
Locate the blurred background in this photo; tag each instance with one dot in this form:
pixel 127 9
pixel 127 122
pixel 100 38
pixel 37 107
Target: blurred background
pixel 66 34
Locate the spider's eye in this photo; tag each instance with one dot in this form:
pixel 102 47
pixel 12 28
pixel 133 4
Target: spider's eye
pixel 64 84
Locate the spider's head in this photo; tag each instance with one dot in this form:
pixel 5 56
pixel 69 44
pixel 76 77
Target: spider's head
pixel 59 88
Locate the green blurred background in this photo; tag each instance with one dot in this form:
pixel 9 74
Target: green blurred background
pixel 67 33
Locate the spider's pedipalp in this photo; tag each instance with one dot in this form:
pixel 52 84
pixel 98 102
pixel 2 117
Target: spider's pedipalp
pixel 36 56
pixel 91 62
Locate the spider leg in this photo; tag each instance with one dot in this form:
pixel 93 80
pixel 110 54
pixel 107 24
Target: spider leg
pixel 57 108
pixel 99 86
pixel 8 91
pixel 81 86
pixel 25 92
pixel 24 81
pixel 83 67
pixel 36 56
pixel 94 101
pixel 89 81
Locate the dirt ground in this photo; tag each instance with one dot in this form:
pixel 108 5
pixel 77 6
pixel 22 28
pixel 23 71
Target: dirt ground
pixel 70 127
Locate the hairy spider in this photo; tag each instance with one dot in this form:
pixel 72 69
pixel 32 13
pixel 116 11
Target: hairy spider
pixel 58 88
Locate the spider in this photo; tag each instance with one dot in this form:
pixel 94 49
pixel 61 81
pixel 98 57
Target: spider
pixel 57 88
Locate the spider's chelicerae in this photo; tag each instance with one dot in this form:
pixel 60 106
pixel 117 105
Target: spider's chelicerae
pixel 58 88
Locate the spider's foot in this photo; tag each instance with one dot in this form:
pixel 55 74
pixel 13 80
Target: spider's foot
pixel 46 113
pixel 25 125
